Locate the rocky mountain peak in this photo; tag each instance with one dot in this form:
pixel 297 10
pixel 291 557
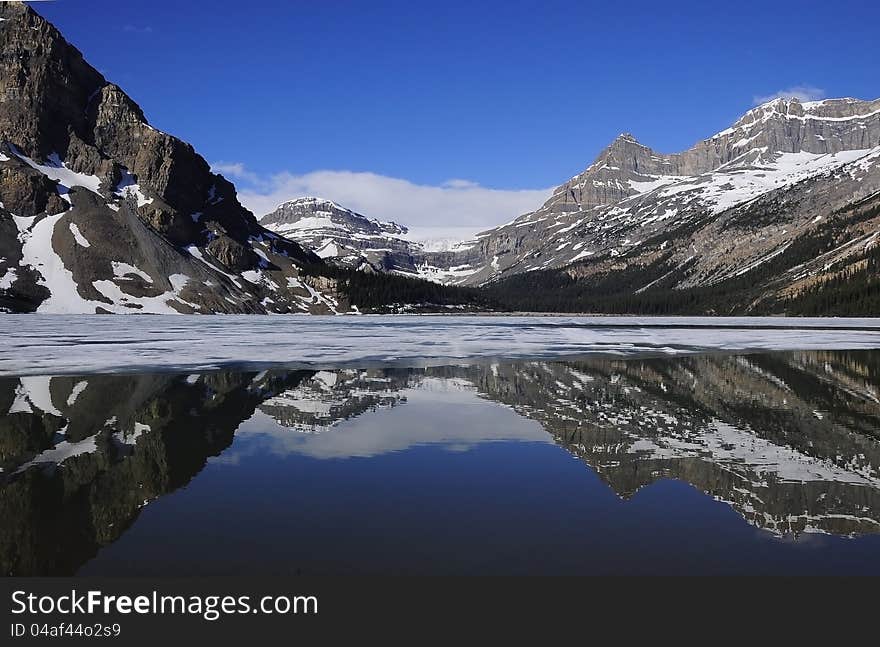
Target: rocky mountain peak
pixel 311 213
pixel 625 138
pixel 794 108
pixel 610 177
pixel 631 194
pixel 56 104
pixel 321 203
pixel 101 212
pixel 344 237
pixel 627 154
pixel 788 125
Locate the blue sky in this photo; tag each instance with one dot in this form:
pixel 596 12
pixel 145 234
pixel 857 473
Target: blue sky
pixel 515 97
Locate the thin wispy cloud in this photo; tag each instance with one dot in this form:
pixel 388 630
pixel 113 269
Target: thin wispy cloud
pixel 455 209
pixel 799 92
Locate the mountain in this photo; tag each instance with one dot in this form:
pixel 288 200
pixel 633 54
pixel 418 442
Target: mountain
pixel 633 206
pixel 342 236
pixel 779 213
pixel 348 239
pixel 100 212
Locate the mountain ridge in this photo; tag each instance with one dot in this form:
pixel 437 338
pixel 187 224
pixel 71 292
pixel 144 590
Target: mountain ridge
pixel 627 169
pixel 354 241
pixel 631 195
pixel 101 212
pixel 786 198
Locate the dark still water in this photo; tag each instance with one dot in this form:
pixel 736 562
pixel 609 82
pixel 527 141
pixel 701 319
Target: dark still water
pixel 718 463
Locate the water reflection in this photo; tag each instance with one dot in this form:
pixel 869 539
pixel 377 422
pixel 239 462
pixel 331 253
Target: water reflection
pixel 791 441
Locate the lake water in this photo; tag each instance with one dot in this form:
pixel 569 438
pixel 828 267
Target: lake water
pixel 160 446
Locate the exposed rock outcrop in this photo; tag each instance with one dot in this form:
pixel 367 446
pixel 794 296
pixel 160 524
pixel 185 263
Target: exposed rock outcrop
pixel 101 212
pixel 632 200
pixel 348 239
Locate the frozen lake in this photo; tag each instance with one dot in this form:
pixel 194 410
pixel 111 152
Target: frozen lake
pixel 438 444
pixel 64 344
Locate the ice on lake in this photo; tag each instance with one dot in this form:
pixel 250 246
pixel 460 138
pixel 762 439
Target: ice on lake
pixel 411 444
pixel 62 344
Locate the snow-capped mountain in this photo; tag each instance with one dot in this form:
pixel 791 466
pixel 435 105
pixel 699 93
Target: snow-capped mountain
pixel 101 212
pixel 786 201
pixel 343 237
pixel 633 206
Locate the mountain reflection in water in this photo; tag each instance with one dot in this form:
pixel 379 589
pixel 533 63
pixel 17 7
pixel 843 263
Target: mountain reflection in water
pixel 790 441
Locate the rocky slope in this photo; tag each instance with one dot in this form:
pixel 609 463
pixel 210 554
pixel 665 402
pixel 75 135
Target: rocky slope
pixel 774 214
pixel 342 236
pixel 100 212
pixel 348 239
pixel 773 178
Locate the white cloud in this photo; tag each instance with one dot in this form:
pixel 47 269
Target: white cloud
pixel 235 171
pixel 799 92
pixel 455 209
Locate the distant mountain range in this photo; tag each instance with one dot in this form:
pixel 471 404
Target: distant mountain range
pixel 775 213
pixel 102 213
pixel 348 239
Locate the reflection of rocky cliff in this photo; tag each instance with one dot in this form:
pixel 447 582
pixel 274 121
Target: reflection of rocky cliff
pixel 791 441
pixel 80 457
pixel 328 397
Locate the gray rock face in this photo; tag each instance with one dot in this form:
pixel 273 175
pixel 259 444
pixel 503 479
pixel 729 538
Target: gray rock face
pixel 348 239
pixel 103 213
pixel 632 200
pixel 781 126
pixel 344 237
pixel 631 193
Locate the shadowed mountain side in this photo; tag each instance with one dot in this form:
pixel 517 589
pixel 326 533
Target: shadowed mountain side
pixel 151 437
pixel 100 212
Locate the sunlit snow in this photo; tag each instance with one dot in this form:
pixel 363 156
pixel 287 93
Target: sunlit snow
pixel 78 237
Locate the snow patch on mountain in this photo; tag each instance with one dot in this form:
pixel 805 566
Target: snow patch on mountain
pixel 129 188
pixel 55 169
pixel 734 184
pixel 77 236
